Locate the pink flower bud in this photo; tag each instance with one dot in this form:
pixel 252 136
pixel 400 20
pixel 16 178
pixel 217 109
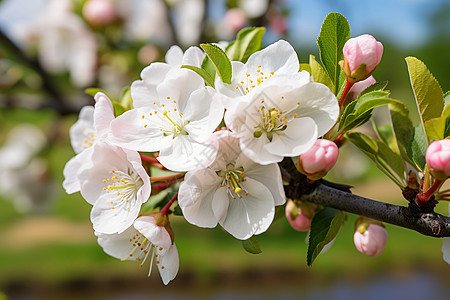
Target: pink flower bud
pixel 438 159
pixel 299 215
pixel 99 12
pixel 370 239
pixel 318 160
pixel 362 54
pixel 360 86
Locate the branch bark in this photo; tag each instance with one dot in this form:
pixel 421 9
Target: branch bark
pixel 320 192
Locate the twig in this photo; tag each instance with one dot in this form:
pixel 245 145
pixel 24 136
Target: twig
pixel 425 222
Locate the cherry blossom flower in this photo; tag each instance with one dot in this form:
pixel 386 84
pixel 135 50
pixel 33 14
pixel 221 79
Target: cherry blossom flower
pixel 116 185
pixel 283 117
pixel 174 117
pixel 276 59
pixel 92 126
pixel 143 240
pixel 233 191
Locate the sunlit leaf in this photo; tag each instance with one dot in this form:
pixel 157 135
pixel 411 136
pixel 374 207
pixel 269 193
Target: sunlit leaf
pixel 209 79
pixel 220 60
pixel 248 41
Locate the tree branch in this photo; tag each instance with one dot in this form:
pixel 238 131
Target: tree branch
pixel 320 192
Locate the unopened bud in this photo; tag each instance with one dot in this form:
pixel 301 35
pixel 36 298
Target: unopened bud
pixel 370 237
pixel 438 159
pixel 299 215
pixel 362 54
pixel 99 12
pixel 360 86
pixel 317 161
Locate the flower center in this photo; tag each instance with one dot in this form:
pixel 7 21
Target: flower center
pixel 142 248
pixel 251 80
pixel 123 188
pixel 232 178
pixel 170 118
pixel 89 138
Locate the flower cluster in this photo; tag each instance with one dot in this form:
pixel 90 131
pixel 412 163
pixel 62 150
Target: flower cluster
pixel 226 142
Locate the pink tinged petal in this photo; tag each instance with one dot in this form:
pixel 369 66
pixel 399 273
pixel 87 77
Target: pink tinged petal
pixel 157 235
pixel 169 265
pixel 250 215
pixel 82 128
pixel 317 102
pixel 142 95
pixel 73 168
pixel 174 56
pixel 360 86
pixel 130 130
pixel 195 197
pixel 298 138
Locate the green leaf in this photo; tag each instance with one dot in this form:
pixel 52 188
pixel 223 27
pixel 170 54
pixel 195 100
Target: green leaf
pixel 325 226
pixel 359 111
pixel 118 108
pixel 248 41
pixel 305 67
pixel 382 155
pixel 439 128
pixel 252 245
pixel 125 98
pixel 279 212
pixel 209 79
pixel 411 140
pixel 220 61
pixel 319 74
pixel 334 33
pixel 93 91
pixel 386 134
pixel 427 92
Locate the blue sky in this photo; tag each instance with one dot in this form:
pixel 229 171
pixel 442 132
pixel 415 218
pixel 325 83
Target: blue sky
pixel 403 22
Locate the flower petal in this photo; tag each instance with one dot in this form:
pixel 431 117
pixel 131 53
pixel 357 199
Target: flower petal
pixel 250 215
pixel 103 114
pixel 169 265
pixel 157 235
pixel 299 136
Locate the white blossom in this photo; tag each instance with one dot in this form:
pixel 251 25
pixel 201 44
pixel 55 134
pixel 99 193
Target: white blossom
pixel 233 191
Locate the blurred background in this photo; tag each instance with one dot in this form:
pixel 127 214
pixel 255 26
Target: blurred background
pixel 52 50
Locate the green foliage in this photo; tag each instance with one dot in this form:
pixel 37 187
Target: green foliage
pixel 125 98
pixel 427 92
pixel 319 74
pixel 248 41
pixel 411 139
pixel 325 226
pixel 384 157
pixel 334 33
pixel 386 134
pixel 209 79
pixel 220 61
pixel 252 245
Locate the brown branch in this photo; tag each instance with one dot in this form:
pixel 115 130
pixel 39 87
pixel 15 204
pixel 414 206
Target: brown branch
pixel 320 192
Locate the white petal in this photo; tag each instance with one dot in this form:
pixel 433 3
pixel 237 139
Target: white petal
pixel 250 215
pixel 185 154
pixel 169 264
pixel 193 57
pixel 103 114
pixel 299 136
pixel 82 128
pixel 114 217
pixel 195 196
pixel 157 235
pixel 269 176
pixel 318 103
pixel 256 148
pixel 221 203
pixel 117 245
pixel 73 168
pixel 278 57
pixel 129 130
pixel 174 56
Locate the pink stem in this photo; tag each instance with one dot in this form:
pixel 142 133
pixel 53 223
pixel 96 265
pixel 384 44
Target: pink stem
pixel 149 159
pixel 168 178
pixel 423 197
pixel 347 88
pixel 166 209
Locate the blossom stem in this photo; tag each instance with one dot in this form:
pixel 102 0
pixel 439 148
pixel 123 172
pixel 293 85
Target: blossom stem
pixel 148 158
pixel 166 208
pixel 347 88
pixel 159 186
pixel 423 197
pixel 336 140
pixel 168 178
